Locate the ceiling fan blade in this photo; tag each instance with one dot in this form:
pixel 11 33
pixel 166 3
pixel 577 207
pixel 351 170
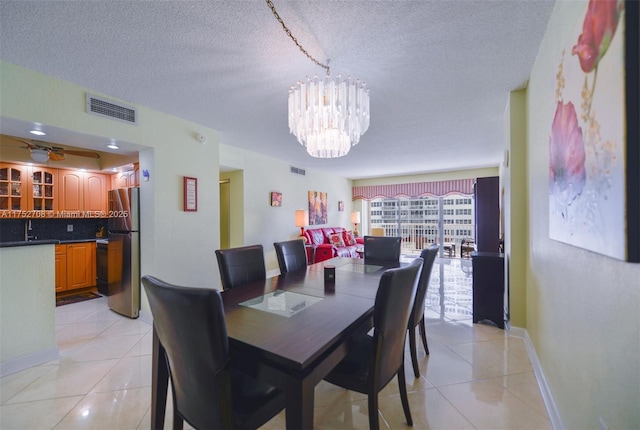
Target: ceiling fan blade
pixel 89 154
pixel 19 140
pixel 55 156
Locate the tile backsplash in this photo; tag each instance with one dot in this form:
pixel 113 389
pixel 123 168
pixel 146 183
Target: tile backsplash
pixel 45 229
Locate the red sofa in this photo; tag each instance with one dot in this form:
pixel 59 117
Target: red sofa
pixel 319 238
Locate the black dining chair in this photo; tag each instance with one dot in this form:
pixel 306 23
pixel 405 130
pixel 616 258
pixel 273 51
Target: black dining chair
pixel 373 361
pixel 207 391
pixel 382 248
pixel 239 266
pixel 291 255
pixel 417 314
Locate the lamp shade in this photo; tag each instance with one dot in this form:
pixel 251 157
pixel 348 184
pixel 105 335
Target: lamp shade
pixel 302 218
pixel 355 217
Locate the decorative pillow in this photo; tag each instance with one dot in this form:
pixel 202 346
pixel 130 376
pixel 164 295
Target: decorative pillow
pixel 336 240
pixel 348 237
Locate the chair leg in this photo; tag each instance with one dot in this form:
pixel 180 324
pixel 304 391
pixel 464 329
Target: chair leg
pixel 402 384
pixel 423 335
pixel 177 421
pixel 414 352
pixel 373 412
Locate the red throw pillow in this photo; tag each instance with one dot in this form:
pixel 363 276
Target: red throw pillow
pixel 348 237
pixel 336 240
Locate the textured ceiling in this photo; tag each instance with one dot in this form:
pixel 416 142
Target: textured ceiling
pixel 439 71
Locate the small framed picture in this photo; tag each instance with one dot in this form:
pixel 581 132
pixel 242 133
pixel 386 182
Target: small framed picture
pixel 190 194
pixel 276 199
pixel 340 206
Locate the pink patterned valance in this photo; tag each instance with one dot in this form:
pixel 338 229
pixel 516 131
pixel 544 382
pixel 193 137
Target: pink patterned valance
pixel 418 189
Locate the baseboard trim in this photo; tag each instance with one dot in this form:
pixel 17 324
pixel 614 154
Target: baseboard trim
pixel 29 360
pixel 545 391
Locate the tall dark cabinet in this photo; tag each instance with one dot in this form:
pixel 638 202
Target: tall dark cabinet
pixel 487 205
pixel 488 287
pixel 488 262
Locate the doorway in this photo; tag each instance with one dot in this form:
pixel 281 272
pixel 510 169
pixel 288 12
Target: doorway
pixel 225 213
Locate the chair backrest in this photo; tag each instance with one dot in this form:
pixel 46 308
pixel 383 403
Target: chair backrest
pixel 429 256
pixel 393 305
pixel 291 255
pixel 239 266
pixel 190 326
pixel 382 248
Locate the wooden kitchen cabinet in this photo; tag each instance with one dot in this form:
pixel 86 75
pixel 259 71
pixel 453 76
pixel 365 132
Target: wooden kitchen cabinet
pixel 127 179
pixel 42 190
pixel 25 190
pixel 96 186
pixel 71 190
pixel 84 192
pixel 61 268
pixel 13 187
pixel 75 266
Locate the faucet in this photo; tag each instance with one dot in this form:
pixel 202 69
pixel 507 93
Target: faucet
pixel 27 229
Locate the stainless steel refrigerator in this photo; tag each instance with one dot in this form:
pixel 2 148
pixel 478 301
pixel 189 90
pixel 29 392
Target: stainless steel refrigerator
pixel 124 251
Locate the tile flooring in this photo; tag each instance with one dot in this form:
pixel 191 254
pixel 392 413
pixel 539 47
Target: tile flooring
pixel 477 376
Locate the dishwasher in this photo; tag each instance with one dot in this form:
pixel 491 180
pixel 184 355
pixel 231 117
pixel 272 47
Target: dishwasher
pixel 102 266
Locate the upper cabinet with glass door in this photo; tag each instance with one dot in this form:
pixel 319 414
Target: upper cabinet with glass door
pixel 42 188
pixel 13 188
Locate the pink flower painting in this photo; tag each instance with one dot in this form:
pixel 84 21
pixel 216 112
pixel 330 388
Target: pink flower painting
pixel 599 26
pixel 587 192
pixel 567 174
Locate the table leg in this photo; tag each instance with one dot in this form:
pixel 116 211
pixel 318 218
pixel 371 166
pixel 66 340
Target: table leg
pixel 299 404
pixel 159 383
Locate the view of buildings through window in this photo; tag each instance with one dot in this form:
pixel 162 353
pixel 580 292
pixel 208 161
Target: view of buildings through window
pixel 421 221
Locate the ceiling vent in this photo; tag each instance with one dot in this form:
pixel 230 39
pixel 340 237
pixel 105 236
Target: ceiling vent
pixel 297 170
pixel 106 108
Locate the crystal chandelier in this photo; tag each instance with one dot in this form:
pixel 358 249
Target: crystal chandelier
pixel 327 115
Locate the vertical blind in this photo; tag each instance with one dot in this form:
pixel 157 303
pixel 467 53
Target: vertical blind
pixel 416 189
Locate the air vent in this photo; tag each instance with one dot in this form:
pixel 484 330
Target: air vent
pixel 297 170
pixel 102 107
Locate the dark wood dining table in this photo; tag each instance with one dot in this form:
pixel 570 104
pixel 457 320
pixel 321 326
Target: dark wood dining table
pixel 292 349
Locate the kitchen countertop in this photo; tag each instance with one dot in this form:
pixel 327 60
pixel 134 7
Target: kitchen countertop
pixel 43 242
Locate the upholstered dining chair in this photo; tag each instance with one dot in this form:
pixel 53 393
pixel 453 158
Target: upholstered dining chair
pixel 373 361
pixel 239 266
pixel 207 391
pixel 417 314
pixel 291 255
pixel 382 248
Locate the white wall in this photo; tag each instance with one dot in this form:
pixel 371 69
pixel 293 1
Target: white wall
pixel 260 175
pixel 583 309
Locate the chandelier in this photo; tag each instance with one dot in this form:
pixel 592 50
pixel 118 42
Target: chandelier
pixel 327 115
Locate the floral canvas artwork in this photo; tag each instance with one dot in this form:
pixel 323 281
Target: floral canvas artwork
pixel 318 212
pixel 587 134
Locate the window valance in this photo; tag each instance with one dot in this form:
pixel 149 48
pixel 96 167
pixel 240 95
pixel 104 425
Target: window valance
pixel 417 189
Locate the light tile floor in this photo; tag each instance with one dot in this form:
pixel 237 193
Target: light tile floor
pixel 477 376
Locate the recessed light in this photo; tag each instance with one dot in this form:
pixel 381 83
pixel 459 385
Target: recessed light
pixel 38 132
pixel 113 146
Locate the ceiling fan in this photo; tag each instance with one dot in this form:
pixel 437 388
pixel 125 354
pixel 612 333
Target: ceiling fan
pixel 41 151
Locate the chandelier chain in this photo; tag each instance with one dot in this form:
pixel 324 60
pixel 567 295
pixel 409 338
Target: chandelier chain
pixel 286 30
